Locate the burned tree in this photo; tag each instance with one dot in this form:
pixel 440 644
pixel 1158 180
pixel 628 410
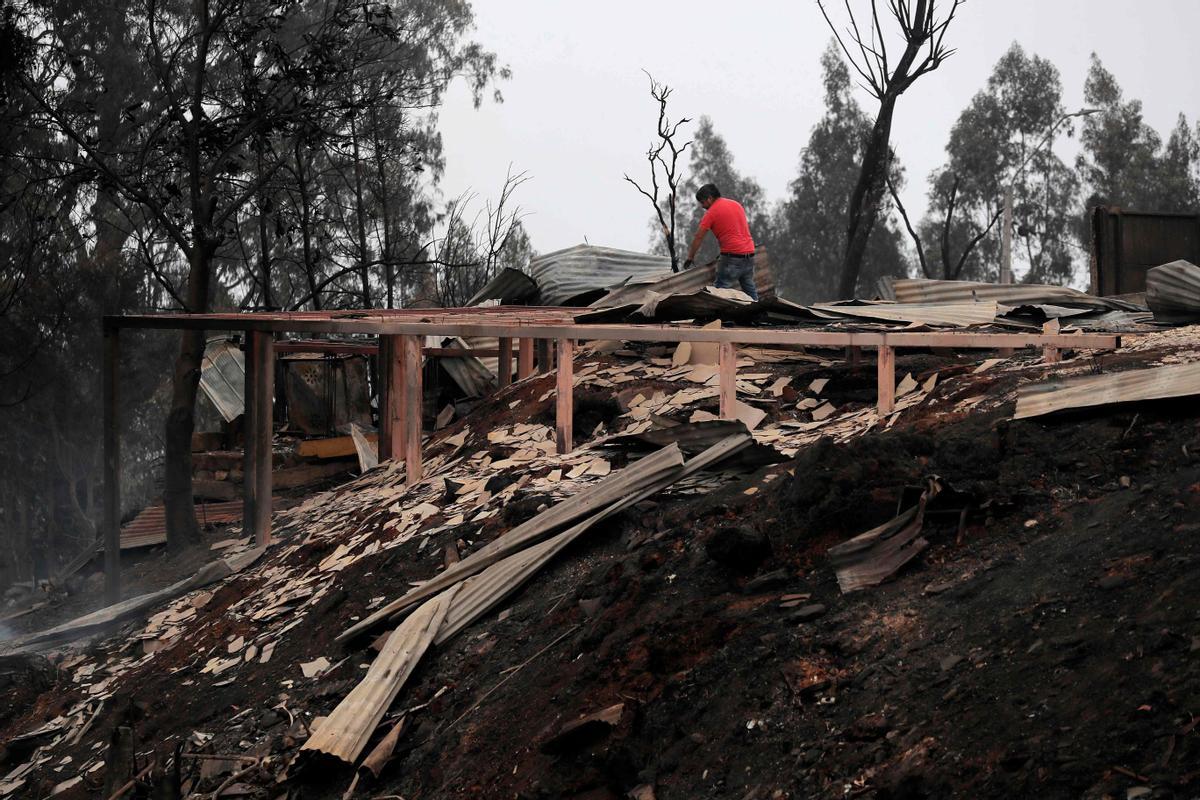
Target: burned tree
pixel 663 156
pixel 951 268
pixel 922 35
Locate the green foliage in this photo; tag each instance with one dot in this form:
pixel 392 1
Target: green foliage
pixel 1123 162
pixel 1005 137
pixel 810 225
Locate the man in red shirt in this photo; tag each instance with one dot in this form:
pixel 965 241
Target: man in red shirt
pixel 727 220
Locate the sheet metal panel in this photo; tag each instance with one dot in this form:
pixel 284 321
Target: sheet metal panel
pixel 955 315
pixel 688 281
pixel 920 290
pixel 1173 291
pixel 1175 380
pixel 510 287
pixel 223 378
pixel 567 274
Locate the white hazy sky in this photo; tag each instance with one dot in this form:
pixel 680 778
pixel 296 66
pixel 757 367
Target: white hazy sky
pixel 576 114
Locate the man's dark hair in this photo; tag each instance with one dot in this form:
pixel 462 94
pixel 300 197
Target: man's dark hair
pixel 708 191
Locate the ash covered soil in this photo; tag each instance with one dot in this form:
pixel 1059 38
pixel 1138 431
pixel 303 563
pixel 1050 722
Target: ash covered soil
pixel 1047 647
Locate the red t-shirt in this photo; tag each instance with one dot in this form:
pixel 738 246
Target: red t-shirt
pixel 727 219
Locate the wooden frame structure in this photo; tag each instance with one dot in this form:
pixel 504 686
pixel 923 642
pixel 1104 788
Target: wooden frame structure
pixel 401 334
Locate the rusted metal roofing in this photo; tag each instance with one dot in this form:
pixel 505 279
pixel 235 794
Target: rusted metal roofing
pixel 910 290
pixel 1173 292
pixel 565 276
pixel 1175 380
pixel 149 527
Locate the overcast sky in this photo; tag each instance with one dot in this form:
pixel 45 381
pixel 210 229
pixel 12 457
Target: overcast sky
pixel 576 114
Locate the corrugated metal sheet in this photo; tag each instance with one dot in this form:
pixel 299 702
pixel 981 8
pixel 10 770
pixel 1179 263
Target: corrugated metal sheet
pixel 565 276
pixel 1175 380
pixel 911 290
pixel 149 527
pixel 348 728
pixel 471 374
pixel 510 287
pixel 956 315
pixel 685 282
pixel 1173 292
pixel 223 378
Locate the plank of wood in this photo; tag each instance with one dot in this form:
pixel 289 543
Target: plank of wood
pixel 524 357
pixel 264 395
pixel 565 395
pixel 411 368
pixel 728 380
pixel 334 447
pixel 886 376
pixel 504 362
pixel 391 444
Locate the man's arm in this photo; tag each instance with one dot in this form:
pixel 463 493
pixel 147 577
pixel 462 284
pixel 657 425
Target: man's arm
pixel 697 240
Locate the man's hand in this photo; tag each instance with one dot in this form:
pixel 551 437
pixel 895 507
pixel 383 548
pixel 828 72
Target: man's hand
pixel 688 264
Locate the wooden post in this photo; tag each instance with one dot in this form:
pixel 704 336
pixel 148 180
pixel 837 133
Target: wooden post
pixel 544 364
pixel 853 355
pixel 1051 355
pixel 504 363
pixel 524 358
pixel 727 366
pixel 112 468
pixel 264 394
pixel 886 370
pixel 565 395
pixel 249 440
pixel 413 405
pixel 391 401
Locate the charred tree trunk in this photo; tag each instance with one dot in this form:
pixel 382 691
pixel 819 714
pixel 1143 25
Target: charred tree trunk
pixel 182 529
pixel 865 201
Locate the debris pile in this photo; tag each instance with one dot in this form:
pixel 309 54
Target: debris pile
pixel 680 606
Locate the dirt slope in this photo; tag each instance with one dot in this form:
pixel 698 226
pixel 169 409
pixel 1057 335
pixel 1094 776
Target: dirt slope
pixel 1051 648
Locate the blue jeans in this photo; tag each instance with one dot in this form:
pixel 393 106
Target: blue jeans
pixel 736 272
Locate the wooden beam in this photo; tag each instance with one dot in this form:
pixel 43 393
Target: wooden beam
pixel 391 414
pixel 264 395
pixel 112 468
pixel 637 333
pixel 524 357
pixel 727 370
pixel 249 440
pixel 544 364
pixel 886 371
pixel 413 406
pixel 565 395
pixel 504 363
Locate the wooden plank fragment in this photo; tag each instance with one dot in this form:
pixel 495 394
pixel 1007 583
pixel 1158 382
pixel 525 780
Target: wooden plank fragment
pixel 728 380
pixel 264 395
pixel 504 362
pixel 412 393
pixel 886 376
pixel 524 357
pixel 564 396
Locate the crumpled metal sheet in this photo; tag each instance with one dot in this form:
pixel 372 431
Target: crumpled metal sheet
pixel 954 315
pixel 1173 292
pixel 471 374
pixel 223 378
pixel 920 290
pixel 509 287
pixel 687 281
pixel 567 277
pixel 1174 380
pixel 869 558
